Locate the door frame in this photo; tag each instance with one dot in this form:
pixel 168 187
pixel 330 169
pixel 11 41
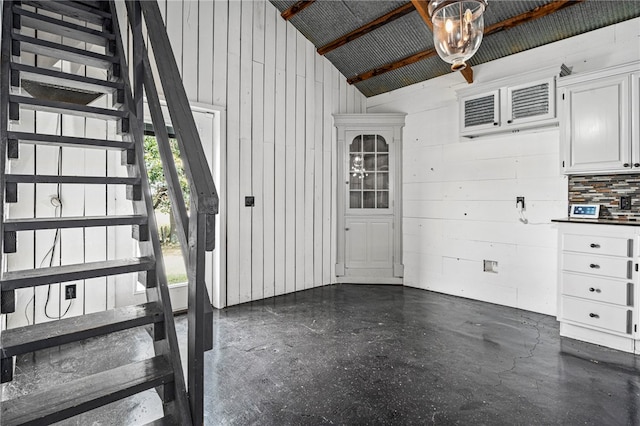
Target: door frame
pixel 367 124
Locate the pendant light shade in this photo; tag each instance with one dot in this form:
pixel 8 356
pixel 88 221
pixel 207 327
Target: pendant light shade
pixel 458 26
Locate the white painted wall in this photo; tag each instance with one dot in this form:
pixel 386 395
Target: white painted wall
pixel 279 96
pixel 459 194
pixel 276 97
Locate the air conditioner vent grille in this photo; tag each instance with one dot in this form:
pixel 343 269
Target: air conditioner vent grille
pixel 530 101
pixel 479 111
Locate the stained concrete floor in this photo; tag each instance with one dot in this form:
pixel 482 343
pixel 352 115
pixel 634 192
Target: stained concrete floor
pixel 379 355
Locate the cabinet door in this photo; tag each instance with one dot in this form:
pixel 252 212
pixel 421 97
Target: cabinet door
pixel 531 102
pixel 479 112
pixel 596 127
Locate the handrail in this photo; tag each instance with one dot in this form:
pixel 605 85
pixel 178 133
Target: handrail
pixel 196 229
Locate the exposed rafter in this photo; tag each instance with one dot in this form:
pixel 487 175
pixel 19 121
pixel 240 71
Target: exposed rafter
pixel 392 66
pixel 422 6
pixel 531 15
pixel 506 24
pixel 365 29
pixel 467 73
pixel 296 8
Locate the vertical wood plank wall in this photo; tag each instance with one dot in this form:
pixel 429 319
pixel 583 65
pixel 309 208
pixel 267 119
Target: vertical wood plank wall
pixel 48 247
pixel 459 195
pixel 279 96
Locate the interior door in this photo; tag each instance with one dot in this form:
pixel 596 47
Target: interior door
pixel 369 213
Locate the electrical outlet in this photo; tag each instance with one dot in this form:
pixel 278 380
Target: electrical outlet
pixel 625 203
pixel 490 266
pixel 70 291
pixel 520 202
pixel 249 201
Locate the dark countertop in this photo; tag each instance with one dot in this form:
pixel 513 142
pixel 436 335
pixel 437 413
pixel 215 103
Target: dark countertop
pixel 597 221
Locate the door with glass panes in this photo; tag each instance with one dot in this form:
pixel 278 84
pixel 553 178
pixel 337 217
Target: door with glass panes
pixel 369 213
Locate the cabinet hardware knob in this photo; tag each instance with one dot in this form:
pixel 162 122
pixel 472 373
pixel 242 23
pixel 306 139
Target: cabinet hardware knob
pixel 594 245
pixel 346 229
pixel 594 266
pixel 509 121
pixel 627 165
pixel 597 290
pixel 495 124
pixel 636 164
pixel 592 315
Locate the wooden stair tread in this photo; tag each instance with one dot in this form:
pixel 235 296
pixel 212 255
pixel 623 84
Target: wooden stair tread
pixel 59 78
pixel 55 26
pixel 86 180
pixel 22 340
pixel 61 51
pixel 67 108
pixel 41 276
pixel 32 224
pixel 36 138
pixel 59 403
pixel 72 10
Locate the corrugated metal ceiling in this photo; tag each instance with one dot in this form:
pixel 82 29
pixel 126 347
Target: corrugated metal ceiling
pixel 327 20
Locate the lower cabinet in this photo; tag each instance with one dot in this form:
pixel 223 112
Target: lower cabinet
pixel 598 297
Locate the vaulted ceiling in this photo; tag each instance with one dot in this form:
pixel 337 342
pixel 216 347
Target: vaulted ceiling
pixel 382 45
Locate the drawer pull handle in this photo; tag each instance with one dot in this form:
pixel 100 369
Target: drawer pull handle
pixel 594 245
pixel 597 290
pixel 594 266
pixel 592 315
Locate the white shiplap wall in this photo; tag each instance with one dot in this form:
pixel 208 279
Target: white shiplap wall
pixel 459 194
pixel 280 145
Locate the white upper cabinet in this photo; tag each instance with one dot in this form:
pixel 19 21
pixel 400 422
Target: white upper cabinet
pixel 508 108
pixel 599 121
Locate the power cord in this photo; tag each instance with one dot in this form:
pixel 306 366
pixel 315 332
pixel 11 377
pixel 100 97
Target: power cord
pixel 56 201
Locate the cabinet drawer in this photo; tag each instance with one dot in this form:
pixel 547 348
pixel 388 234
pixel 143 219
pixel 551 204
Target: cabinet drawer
pixel 594 314
pixel 603 266
pixel 598 289
pixel 598 245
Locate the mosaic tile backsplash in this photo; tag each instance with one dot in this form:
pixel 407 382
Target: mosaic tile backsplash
pixel 606 190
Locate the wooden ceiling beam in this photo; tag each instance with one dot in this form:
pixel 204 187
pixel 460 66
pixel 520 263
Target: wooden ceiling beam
pixel 506 24
pixel 422 6
pixel 367 28
pixel 467 73
pixel 531 15
pixel 392 66
pixel 295 9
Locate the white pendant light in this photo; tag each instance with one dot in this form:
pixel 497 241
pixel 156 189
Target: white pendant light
pixel 458 26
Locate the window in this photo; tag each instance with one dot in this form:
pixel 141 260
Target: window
pixel 172 254
pixel 369 172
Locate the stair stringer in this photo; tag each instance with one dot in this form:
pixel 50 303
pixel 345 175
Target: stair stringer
pixel 179 407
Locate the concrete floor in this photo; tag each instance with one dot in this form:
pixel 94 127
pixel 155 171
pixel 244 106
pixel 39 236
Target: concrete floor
pixel 353 354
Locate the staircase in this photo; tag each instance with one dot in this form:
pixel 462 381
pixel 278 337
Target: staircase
pixel 40 85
